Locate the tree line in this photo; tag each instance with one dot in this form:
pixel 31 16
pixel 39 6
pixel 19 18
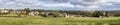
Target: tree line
pixel 82 13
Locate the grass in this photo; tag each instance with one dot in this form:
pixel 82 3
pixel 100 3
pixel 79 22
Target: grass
pixel 36 20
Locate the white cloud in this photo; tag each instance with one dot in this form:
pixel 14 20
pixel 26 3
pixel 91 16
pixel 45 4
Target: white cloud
pixel 10 3
pixel 85 4
pixel 109 4
pixel 38 3
pixel 0 0
pixel 58 5
pixel 79 6
pixel 28 1
pixel 117 1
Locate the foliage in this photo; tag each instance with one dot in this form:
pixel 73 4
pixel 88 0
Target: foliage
pixel 43 15
pixel 27 9
pixel 97 14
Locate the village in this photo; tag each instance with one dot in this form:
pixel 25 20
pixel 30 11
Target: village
pixel 58 17
pixel 27 12
pixel 59 13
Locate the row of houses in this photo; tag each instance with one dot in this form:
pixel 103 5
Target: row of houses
pixel 35 13
pixel 56 14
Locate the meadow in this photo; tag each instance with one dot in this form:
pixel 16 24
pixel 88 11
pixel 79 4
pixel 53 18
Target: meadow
pixel 37 20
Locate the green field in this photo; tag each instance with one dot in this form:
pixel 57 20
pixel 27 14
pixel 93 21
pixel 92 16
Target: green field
pixel 36 20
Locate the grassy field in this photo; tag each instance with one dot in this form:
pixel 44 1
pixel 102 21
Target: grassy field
pixel 36 20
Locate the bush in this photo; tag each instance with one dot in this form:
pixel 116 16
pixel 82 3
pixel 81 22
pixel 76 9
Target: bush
pixel 97 14
pixel 43 15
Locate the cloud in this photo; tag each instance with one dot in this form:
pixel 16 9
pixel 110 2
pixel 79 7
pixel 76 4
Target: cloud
pixel 58 5
pixel 116 1
pixel 27 1
pixel 63 4
pixel 88 2
pixel 55 1
pixel 10 2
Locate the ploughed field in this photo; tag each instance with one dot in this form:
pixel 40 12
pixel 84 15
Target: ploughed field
pixel 37 20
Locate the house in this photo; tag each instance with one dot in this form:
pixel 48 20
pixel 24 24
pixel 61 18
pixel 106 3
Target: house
pixel 34 13
pixel 4 12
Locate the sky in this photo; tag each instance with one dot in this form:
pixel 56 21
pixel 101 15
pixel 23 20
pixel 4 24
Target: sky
pixel 61 4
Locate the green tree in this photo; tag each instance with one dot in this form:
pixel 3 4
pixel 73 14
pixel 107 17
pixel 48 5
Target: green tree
pixel 106 13
pixel 97 14
pixel 27 9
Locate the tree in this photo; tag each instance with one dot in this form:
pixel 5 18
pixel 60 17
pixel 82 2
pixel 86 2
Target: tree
pixel 97 14
pixel 27 9
pixel 106 13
